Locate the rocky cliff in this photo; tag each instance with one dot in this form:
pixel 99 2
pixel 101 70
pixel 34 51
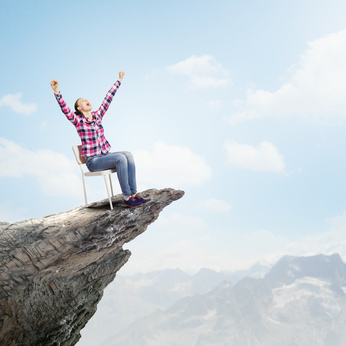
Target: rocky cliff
pixel 53 270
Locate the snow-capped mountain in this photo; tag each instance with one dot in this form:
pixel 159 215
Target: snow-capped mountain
pixel 301 301
pixel 132 297
pixel 328 268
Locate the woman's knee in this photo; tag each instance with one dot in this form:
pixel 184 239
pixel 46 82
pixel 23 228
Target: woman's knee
pixel 128 155
pixel 121 158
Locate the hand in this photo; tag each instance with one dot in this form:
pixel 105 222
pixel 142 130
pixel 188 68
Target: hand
pixel 55 86
pixel 121 76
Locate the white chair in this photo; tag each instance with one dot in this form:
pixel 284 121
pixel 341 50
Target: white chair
pixel 77 150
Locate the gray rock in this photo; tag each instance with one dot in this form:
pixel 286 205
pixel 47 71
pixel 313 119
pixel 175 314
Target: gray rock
pixel 53 270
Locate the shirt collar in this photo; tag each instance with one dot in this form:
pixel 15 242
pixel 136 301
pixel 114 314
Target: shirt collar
pixel 87 120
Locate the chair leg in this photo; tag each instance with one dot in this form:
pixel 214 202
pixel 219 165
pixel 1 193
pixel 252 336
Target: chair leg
pixel 85 196
pixel 109 197
pixel 110 181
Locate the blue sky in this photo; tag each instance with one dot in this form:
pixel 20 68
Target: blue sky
pixel 239 104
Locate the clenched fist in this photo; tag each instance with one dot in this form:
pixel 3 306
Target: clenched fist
pixel 55 86
pixel 121 76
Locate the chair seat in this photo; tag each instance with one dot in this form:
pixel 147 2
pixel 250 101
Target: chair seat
pixel 77 151
pixel 108 171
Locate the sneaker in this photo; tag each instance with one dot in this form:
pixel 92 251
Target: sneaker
pixel 133 203
pixel 139 198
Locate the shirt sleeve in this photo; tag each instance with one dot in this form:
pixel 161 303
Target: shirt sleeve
pixel 108 99
pixel 66 109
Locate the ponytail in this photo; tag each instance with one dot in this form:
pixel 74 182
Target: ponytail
pixel 77 111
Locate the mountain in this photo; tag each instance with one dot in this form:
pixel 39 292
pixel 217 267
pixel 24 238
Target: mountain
pixel 327 268
pixel 53 270
pixel 132 297
pixel 301 301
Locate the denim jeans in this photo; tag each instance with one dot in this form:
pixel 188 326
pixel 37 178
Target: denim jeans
pixel 123 162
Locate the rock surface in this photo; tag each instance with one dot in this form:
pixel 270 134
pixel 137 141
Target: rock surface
pixel 53 270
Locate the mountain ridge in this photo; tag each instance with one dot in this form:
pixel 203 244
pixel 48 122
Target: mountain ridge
pixel 306 309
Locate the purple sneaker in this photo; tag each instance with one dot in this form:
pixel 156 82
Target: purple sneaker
pixel 132 202
pixel 139 198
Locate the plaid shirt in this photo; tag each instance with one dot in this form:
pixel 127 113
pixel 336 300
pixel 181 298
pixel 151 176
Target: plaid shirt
pixel 90 132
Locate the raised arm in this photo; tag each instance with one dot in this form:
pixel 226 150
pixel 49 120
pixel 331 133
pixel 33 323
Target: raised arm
pixel 64 107
pixel 109 97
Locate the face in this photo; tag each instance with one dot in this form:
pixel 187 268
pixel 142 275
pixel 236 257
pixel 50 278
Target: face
pixel 84 105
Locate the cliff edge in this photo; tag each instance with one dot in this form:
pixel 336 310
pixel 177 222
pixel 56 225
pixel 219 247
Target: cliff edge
pixel 53 270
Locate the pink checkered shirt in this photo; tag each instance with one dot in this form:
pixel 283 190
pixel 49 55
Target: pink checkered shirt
pixel 91 133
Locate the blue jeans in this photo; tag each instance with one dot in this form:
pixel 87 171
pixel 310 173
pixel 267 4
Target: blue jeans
pixel 123 162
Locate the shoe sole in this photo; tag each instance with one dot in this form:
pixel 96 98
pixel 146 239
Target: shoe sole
pixel 136 206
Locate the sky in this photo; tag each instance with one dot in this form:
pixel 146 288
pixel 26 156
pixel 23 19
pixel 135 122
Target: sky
pixel 241 104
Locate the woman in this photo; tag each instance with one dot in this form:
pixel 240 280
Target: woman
pixel 95 147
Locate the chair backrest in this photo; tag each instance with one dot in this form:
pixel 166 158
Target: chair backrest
pixel 77 150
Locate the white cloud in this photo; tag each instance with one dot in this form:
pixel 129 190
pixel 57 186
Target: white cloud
pixel 189 243
pixel 171 166
pixel 264 157
pixel 315 86
pixel 327 243
pixel 203 71
pixel 338 221
pixel 177 221
pixel 175 240
pixel 43 125
pixel 56 174
pixel 214 105
pixel 263 241
pixel 186 253
pixel 332 241
pixel 215 205
pixel 12 213
pixel 16 104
